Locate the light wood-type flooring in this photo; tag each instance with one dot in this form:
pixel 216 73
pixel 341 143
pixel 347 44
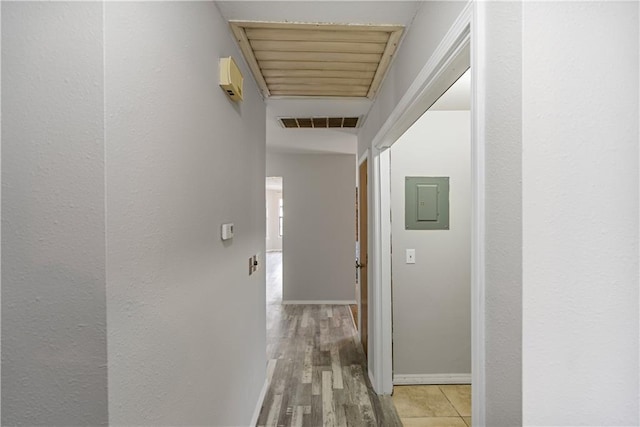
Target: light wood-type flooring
pixel 317 370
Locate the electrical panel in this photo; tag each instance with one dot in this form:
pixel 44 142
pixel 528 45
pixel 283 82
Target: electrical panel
pixel 426 203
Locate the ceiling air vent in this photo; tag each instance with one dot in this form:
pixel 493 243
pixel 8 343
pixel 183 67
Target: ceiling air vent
pixel 319 122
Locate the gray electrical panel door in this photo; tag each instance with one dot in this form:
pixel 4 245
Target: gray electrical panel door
pixel 426 203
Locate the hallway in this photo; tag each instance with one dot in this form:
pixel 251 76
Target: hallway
pixel 316 367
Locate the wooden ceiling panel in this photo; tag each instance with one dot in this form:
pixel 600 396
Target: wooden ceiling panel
pixel 321 93
pixel 271 55
pixel 315 60
pixel 316 81
pixel 315 46
pixel 327 87
pixel 310 65
pixel 317 35
pixel 317 73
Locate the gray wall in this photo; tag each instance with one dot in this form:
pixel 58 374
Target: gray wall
pixel 186 321
pixel 431 298
pixel 318 247
pixel 431 23
pixel 54 338
pixel 168 155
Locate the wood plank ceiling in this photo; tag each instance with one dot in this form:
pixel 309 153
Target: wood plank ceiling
pixel 317 60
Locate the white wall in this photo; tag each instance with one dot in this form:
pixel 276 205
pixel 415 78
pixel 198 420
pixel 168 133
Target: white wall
pixel 500 33
pixel 274 240
pixel 54 340
pixel 186 321
pixel 319 225
pixel 580 222
pixel 431 298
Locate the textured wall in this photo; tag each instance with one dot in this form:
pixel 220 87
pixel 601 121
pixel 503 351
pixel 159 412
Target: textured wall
pixel 319 227
pixel 503 207
pixel 431 298
pixel 186 321
pixel 580 201
pixel 54 349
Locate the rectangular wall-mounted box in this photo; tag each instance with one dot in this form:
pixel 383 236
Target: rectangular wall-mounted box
pixel 426 203
pixel 226 231
pixel 231 80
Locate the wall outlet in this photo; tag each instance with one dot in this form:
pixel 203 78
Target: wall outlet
pixel 411 256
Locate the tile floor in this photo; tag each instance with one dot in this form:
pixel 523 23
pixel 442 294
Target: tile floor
pixel 433 405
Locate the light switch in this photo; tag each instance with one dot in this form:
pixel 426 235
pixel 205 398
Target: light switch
pixel 226 231
pixel 411 256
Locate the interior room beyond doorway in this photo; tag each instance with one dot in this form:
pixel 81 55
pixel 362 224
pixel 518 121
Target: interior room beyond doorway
pixel 431 263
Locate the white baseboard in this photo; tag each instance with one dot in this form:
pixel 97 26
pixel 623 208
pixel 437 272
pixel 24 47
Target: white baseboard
pixel 256 411
pixel 432 379
pixel 316 302
pixel 371 378
pixel 271 367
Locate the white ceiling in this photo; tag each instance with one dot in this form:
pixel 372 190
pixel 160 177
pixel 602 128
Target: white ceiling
pixel 338 12
pixel 344 12
pixel 457 97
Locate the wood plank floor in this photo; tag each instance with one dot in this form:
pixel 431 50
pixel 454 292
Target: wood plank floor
pixel 317 370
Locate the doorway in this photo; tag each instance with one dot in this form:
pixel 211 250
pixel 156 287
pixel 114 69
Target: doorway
pixel 461 46
pixel 274 239
pixel 363 257
pixel 430 182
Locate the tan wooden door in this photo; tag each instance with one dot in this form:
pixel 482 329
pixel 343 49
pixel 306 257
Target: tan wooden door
pixel 364 257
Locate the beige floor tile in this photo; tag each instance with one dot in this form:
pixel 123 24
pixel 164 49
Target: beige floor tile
pixel 467 420
pixel 422 401
pixel 433 422
pixel 460 397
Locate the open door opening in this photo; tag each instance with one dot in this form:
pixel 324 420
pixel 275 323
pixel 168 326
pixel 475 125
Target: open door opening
pixel 430 182
pixel 274 245
pixel 363 258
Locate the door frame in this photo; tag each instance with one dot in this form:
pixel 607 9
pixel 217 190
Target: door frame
pixel 463 43
pixel 362 159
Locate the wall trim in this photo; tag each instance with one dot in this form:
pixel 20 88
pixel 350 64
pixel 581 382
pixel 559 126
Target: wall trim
pixel 319 302
pixel 430 379
pixel 258 408
pixel 478 214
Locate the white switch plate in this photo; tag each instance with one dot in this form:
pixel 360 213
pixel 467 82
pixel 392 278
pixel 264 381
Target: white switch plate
pixel 411 256
pixel 226 231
